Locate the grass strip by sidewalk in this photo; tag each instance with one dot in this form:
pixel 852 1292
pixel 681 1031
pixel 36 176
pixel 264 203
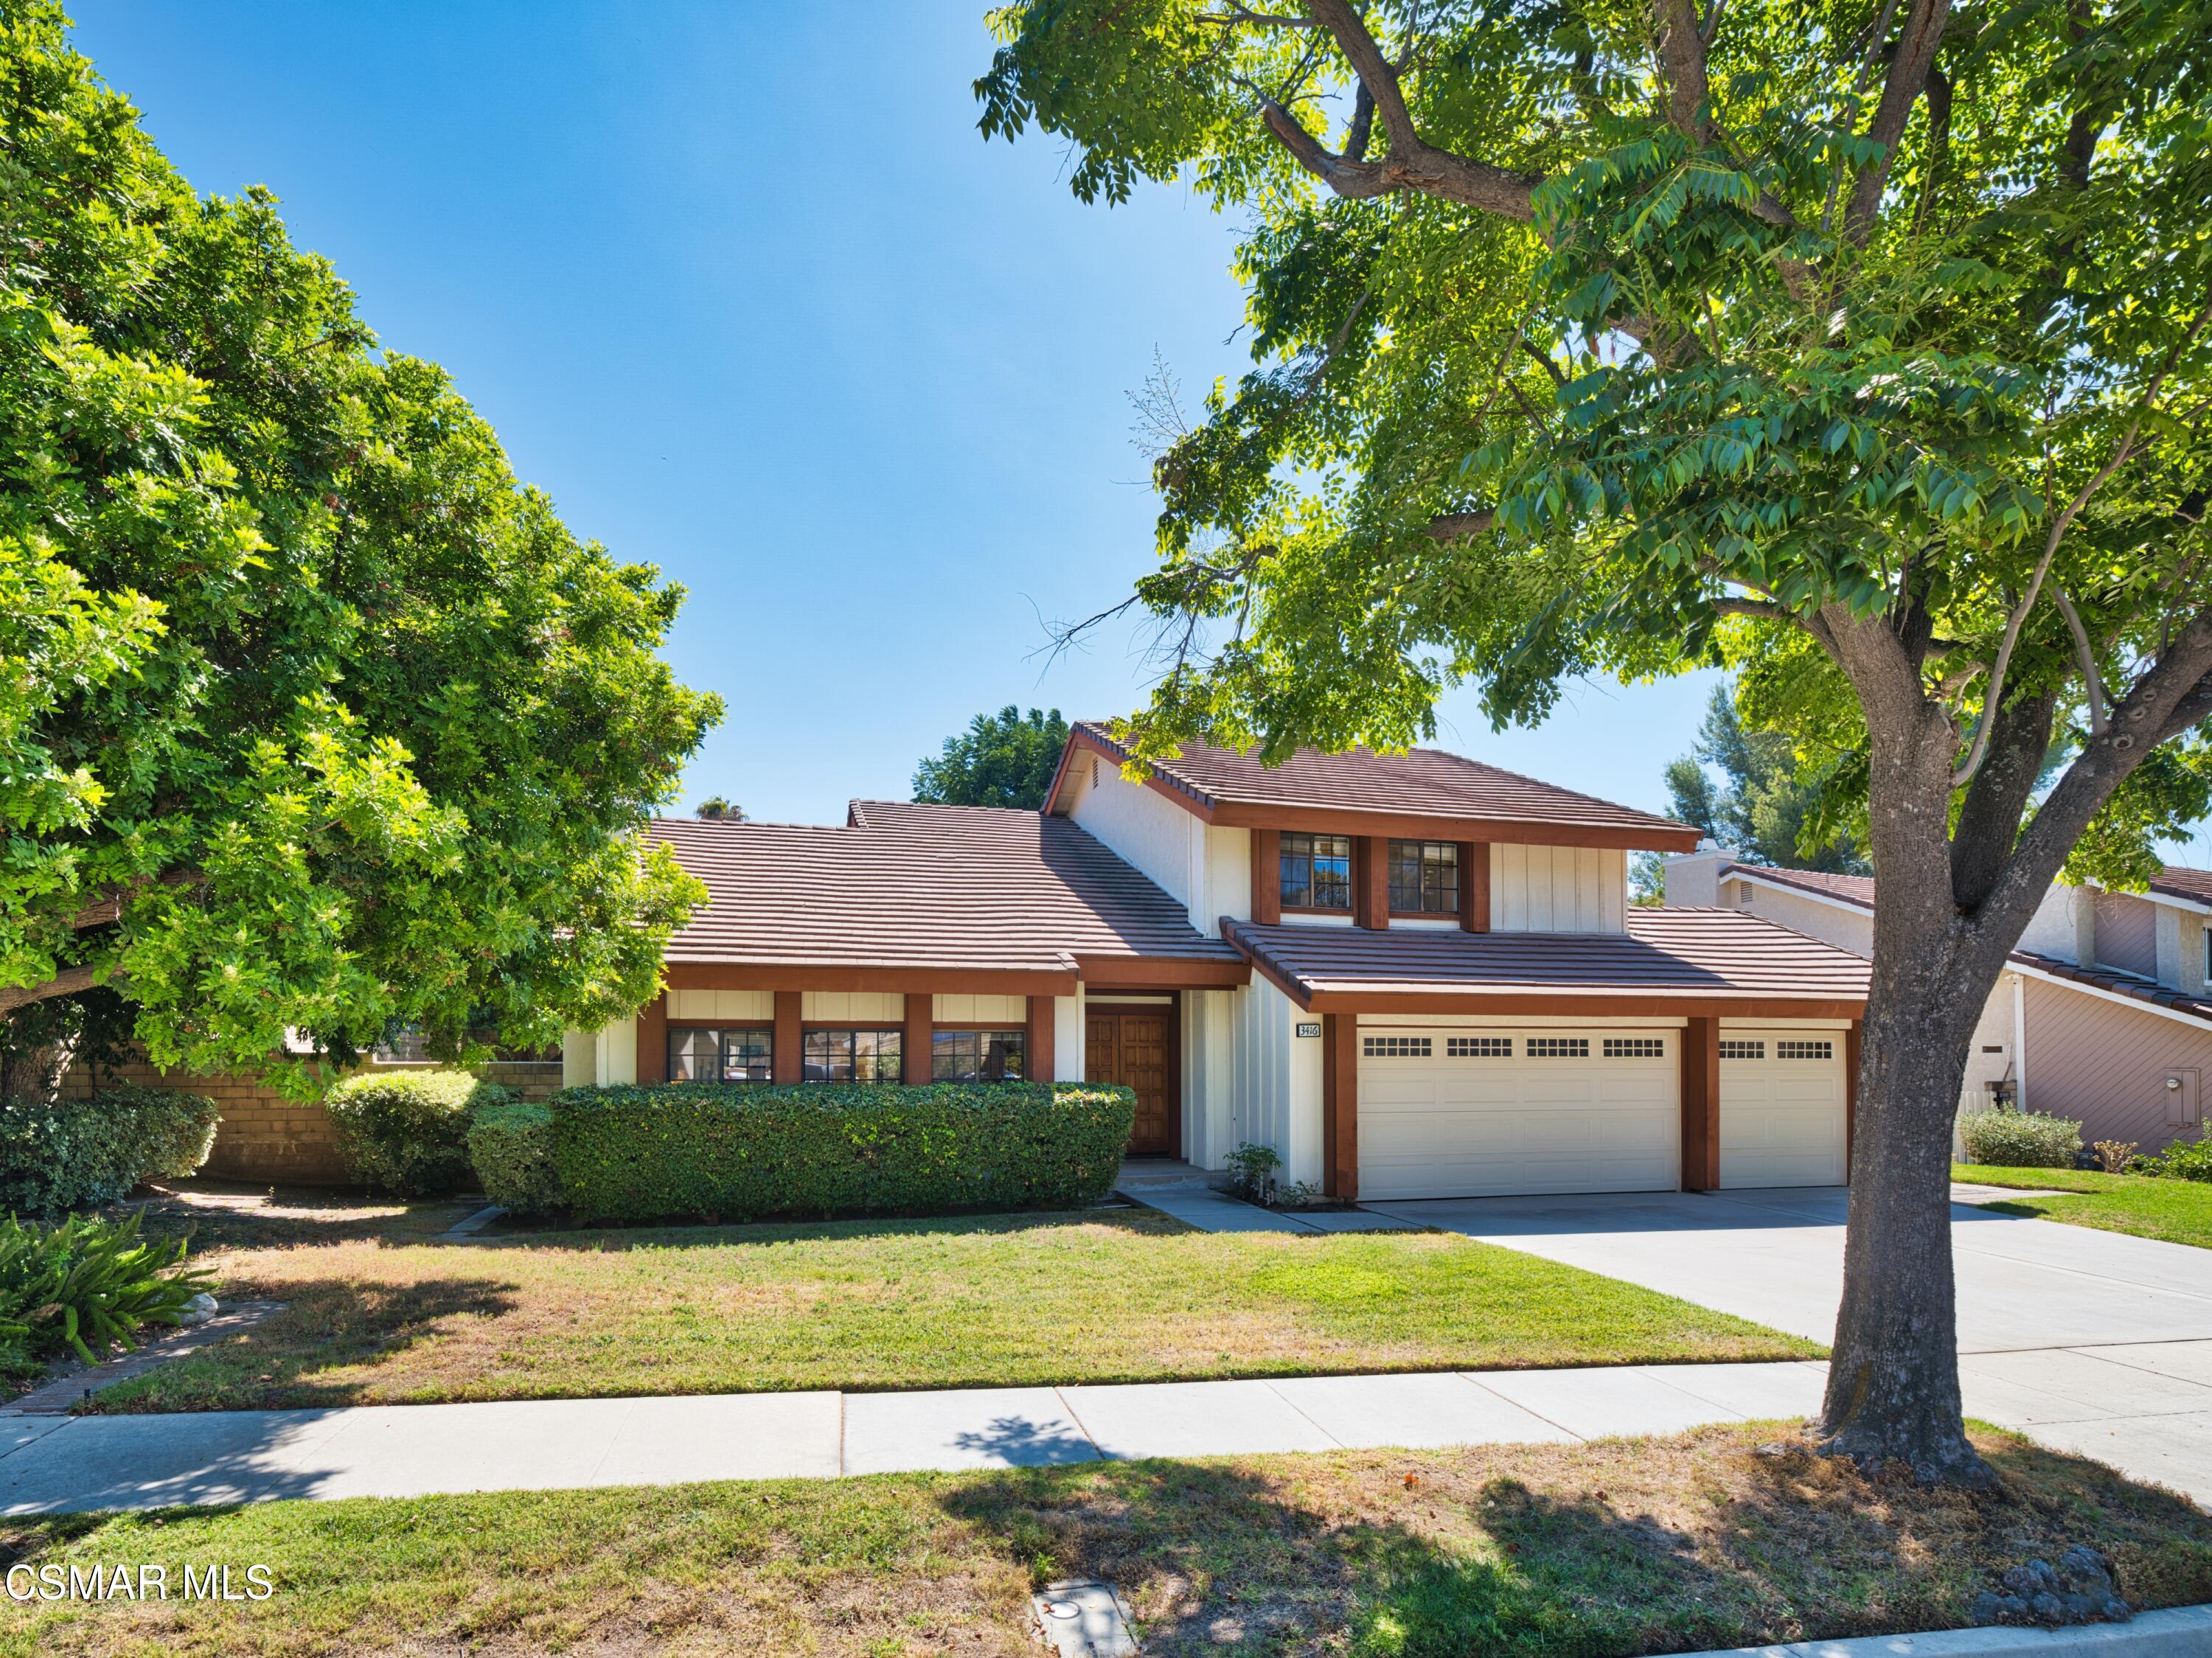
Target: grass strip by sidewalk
pixel 2172 1211
pixel 1621 1547
pixel 1001 1301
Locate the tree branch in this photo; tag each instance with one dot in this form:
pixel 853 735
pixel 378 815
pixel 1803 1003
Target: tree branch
pixel 1681 49
pixel 1448 527
pixel 2092 681
pixel 1900 90
pixel 69 981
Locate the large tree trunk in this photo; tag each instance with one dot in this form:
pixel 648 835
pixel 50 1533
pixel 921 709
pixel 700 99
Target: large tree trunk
pixel 1894 1375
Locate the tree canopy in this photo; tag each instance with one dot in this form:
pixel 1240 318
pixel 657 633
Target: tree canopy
pixel 1859 345
pixel 312 717
pixel 1002 759
pixel 1762 807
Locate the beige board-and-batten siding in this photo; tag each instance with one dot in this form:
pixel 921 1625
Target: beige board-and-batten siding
pixel 2097 1060
pixel 265 1137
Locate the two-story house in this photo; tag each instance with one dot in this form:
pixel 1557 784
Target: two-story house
pixel 1411 975
pixel 2103 1015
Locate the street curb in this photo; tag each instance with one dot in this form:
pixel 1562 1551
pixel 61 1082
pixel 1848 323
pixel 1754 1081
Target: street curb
pixel 2177 1632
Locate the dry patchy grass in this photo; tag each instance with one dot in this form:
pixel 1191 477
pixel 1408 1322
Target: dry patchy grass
pixel 1616 1548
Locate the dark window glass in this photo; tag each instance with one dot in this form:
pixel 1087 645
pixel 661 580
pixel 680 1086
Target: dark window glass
pixel 847 1056
pixel 976 1056
pixel 748 1056
pixel 692 1053
pixel 1316 871
pixel 1425 877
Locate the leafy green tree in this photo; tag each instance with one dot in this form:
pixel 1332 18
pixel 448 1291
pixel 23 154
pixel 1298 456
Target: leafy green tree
pixel 1002 759
pixel 1763 810
pixel 1860 347
pixel 312 717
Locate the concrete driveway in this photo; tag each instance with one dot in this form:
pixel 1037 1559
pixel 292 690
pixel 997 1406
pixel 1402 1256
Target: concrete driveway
pixel 2091 1341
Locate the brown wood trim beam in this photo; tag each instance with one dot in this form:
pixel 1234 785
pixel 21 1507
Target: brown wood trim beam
pixel 788 1058
pixel 1038 1060
pixel 652 1041
pixel 914 1046
pixel 1419 826
pixel 1339 1106
pixel 1851 1093
pixel 1701 1105
pixel 1156 973
pixel 1370 883
pixel 1267 876
pixel 1475 885
pixel 900 981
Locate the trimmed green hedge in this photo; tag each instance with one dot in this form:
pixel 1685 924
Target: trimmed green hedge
pixel 93 1148
pixel 692 1151
pixel 511 1146
pixel 2020 1139
pixel 408 1131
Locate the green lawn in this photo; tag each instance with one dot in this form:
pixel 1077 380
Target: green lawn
pixel 378 1313
pixel 1513 1552
pixel 2174 1211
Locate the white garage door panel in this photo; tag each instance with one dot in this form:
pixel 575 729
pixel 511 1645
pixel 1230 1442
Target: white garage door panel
pixel 1783 1120
pixel 1444 1127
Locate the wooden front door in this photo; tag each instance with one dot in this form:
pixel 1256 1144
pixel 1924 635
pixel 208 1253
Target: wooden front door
pixel 1130 1047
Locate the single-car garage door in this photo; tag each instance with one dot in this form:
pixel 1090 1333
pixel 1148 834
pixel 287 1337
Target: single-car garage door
pixel 1451 1113
pixel 1782 1107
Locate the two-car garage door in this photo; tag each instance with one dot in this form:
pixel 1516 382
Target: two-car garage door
pixel 1479 1112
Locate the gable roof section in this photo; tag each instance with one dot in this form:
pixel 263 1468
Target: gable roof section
pixel 2193 886
pixel 924 888
pixel 1856 890
pixel 2115 982
pixel 1674 959
pixel 1425 791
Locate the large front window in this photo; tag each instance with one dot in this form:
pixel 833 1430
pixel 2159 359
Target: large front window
pixel 1316 871
pixel 852 1056
pixel 977 1056
pixel 706 1054
pixel 1423 878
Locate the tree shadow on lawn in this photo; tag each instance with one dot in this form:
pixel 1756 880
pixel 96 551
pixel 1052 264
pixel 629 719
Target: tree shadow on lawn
pixel 324 1325
pixel 233 1215
pixel 1627 1547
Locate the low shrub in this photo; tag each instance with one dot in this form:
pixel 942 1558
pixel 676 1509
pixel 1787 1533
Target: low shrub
pixel 87 1284
pixel 706 1151
pixel 511 1148
pixel 2183 1160
pixel 2020 1139
pixel 408 1131
pixel 93 1148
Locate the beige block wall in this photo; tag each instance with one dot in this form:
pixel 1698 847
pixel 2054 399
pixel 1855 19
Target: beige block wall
pixel 264 1137
pixel 2106 1065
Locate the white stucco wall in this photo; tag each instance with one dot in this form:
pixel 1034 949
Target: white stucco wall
pixel 1694 878
pixel 615 1054
pixel 580 1058
pixel 2060 923
pixel 1541 889
pixel 1068 1030
pixel 1275 1087
pixel 1847 927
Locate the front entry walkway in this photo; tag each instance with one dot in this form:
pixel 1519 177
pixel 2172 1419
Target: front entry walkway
pixel 2093 1342
pixel 69 1464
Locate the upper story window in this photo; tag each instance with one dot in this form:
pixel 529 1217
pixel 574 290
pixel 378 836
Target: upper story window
pixel 852 1056
pixel 1316 871
pixel 1423 878
pixel 706 1054
pixel 977 1056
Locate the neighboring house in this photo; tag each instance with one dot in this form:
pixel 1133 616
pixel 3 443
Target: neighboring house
pixel 2102 1014
pixel 1411 975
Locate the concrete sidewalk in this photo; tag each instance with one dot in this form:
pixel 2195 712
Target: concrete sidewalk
pixel 64 1464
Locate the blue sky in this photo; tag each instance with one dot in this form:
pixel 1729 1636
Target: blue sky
pixel 742 289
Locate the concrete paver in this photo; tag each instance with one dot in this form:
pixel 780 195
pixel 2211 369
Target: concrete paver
pixel 1605 1403
pixel 1417 1412
pixel 962 1427
pixel 1192 1418
pixel 1210 1211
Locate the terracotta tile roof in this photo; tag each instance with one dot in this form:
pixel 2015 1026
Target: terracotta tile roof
pixel 2175 881
pixel 2132 986
pixel 1689 953
pixel 918 886
pixel 1425 782
pixel 1855 889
